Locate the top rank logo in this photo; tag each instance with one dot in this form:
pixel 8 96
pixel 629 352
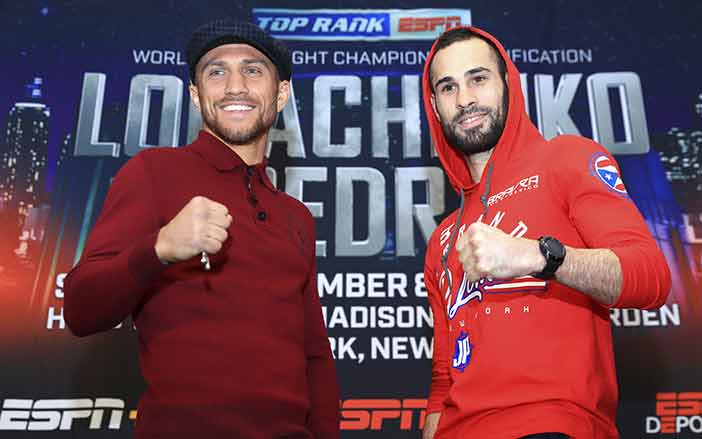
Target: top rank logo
pixel 360 24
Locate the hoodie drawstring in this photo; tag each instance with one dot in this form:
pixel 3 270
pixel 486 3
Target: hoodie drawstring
pixel 484 197
pixel 452 240
pixel 454 232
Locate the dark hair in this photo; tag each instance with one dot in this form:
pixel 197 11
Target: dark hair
pixel 462 34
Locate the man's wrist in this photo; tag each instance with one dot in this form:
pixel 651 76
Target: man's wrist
pixel 535 259
pixel 161 249
pixel 553 252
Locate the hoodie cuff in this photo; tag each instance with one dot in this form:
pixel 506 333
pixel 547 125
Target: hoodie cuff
pixel 645 283
pixel 143 263
pixel 437 395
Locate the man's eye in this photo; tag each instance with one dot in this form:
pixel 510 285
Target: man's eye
pixel 479 79
pixel 215 72
pixel 448 88
pixel 252 71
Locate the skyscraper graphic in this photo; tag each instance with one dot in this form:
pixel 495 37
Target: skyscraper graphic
pixel 23 166
pixel 24 159
pixel 680 152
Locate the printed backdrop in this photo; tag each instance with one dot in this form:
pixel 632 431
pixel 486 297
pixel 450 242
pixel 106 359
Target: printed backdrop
pixel 86 85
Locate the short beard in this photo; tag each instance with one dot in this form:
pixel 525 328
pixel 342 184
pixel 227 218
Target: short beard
pixel 234 136
pixel 474 140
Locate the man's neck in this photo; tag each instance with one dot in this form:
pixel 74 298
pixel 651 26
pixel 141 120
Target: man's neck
pixel 476 163
pixel 250 153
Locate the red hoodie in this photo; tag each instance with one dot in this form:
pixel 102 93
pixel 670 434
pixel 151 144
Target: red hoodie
pixel 523 356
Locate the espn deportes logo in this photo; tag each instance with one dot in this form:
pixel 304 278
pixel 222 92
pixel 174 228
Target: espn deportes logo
pixel 676 413
pixel 377 414
pixel 359 24
pixel 61 414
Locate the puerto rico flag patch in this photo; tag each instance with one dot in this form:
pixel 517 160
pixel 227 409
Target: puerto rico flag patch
pixel 604 168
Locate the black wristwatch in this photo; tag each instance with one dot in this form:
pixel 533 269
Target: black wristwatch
pixel 554 252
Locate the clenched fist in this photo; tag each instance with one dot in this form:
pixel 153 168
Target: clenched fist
pixel 486 251
pixel 200 226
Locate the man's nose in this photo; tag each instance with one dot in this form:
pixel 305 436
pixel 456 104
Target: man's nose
pixel 236 83
pixel 466 97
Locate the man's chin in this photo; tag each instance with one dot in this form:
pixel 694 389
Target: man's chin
pixel 469 149
pixel 241 137
pixel 470 145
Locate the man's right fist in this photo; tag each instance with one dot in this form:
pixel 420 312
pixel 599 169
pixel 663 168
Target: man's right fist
pixel 200 226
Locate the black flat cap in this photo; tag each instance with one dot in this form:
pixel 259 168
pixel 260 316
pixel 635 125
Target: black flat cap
pixel 227 31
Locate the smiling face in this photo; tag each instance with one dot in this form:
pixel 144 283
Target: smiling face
pixel 469 95
pixel 238 93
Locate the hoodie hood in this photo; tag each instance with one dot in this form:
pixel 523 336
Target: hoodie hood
pixel 518 129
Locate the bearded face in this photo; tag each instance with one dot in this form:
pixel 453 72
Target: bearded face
pixel 476 137
pixel 470 96
pixel 237 93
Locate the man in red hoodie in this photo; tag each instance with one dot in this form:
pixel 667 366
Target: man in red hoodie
pixel 214 264
pixel 521 276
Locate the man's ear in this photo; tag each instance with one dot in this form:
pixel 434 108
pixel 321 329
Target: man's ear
pixel 433 106
pixel 194 95
pixel 283 95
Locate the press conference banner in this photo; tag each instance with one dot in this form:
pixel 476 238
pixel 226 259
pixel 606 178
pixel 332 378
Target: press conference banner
pixel 87 85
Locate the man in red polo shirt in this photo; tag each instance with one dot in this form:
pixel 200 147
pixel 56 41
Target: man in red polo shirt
pixel 215 265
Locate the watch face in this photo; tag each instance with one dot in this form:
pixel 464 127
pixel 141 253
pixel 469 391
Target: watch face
pixel 555 248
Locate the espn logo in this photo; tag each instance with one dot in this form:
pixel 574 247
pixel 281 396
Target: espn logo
pixel 676 413
pixel 59 414
pixel 428 24
pixel 374 414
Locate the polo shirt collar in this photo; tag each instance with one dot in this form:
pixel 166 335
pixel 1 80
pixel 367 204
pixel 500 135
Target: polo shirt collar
pixel 218 154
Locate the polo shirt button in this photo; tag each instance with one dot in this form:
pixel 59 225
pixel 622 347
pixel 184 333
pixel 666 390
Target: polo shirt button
pixel 262 216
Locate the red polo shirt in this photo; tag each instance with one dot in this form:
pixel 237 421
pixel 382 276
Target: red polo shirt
pixel 240 351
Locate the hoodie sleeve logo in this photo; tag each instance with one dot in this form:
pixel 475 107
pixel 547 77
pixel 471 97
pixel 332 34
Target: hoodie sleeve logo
pixel 605 169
